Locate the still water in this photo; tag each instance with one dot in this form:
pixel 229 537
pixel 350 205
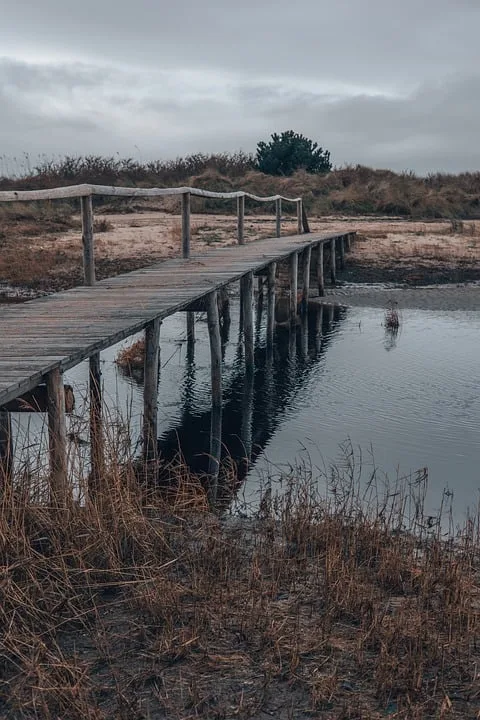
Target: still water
pixel 404 402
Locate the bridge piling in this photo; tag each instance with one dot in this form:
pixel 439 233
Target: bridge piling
pixel 6 449
pixel 333 262
pixel 150 390
pixel 293 287
pixel 216 383
pixel 60 494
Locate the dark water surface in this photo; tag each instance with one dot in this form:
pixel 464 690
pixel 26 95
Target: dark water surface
pixel 413 400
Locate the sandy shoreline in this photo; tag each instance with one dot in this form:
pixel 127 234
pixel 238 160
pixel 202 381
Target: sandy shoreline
pixel 432 297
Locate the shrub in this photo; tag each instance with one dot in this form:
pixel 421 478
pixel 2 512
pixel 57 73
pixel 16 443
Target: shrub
pixel 288 152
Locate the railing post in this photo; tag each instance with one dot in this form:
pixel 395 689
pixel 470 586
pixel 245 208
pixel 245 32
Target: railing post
pixel 299 217
pixel 240 219
pixel 278 216
pixel 87 240
pixel 150 389
pixel 186 225
pixel 57 439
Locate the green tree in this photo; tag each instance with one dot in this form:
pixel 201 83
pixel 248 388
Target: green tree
pixel 291 151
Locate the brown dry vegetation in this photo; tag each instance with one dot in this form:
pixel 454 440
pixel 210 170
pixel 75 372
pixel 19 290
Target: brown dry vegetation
pixel 352 189
pixel 321 605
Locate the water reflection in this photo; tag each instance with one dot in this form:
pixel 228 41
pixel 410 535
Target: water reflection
pixel 254 403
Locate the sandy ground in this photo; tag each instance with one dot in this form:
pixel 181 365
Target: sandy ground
pixel 388 251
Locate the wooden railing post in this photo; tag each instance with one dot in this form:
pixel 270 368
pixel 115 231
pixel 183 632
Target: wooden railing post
pixel 150 389
pixel 57 440
pixel 87 240
pixel 186 225
pixel 240 219
pixel 278 217
pixel 299 217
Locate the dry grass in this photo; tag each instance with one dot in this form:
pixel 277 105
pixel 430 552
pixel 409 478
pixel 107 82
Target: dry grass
pixel 341 604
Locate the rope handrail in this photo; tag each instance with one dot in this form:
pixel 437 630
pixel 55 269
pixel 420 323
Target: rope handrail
pixel 86 190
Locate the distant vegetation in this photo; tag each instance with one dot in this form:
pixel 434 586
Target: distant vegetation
pixel 289 152
pixel 350 190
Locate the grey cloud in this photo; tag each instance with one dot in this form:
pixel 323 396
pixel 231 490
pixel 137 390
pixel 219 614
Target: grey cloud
pixel 374 81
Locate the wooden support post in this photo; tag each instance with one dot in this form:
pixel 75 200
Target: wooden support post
pixel 246 285
pixel 306 262
pixel 6 450
pixel 348 241
pixel 186 225
pixel 150 389
pixel 272 269
pixel 216 381
pixel 299 217
pixel 320 278
pixel 306 226
pixel 57 440
pixel 240 219
pixel 293 286
pixel 341 241
pixel 278 217
pixel 97 457
pixel 333 262
pixel 87 240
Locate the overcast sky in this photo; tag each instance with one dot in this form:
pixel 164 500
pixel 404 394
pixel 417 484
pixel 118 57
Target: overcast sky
pixel 384 83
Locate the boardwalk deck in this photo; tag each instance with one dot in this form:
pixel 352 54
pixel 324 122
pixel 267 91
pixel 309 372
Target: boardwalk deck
pixel 61 330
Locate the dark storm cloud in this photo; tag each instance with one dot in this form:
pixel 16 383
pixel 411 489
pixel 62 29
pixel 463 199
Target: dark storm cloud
pixel 376 82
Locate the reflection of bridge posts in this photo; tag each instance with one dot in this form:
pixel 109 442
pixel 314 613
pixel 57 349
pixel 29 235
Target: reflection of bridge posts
pixel 258 318
pixel 247 415
pixel 216 380
pixel 331 316
pixel 318 328
pixel 304 335
pixel 272 269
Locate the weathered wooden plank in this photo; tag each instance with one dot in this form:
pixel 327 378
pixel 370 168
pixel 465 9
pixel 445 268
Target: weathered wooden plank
pixel 66 328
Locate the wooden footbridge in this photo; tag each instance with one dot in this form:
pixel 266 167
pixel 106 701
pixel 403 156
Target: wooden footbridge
pixel 42 338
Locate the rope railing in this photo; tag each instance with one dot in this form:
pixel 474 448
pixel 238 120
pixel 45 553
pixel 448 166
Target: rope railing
pixel 86 192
